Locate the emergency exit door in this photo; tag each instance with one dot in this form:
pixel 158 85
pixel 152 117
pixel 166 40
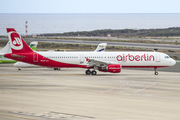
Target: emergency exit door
pixel 158 59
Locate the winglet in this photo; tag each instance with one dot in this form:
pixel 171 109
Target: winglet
pixel 87 59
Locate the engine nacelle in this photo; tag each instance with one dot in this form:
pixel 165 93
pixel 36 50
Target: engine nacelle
pixel 113 68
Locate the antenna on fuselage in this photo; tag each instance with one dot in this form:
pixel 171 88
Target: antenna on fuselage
pixel 155 49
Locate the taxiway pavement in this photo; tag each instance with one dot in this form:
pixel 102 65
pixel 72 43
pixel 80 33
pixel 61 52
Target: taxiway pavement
pixel 69 94
pixel 109 43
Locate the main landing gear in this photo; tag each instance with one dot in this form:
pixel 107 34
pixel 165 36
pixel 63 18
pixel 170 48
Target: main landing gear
pixel 56 68
pixel 155 69
pixel 88 72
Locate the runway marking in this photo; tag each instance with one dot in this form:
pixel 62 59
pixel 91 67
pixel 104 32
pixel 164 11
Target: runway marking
pixel 123 90
pixel 145 88
pixel 16 117
pixel 52 114
pixel 113 88
pixel 71 114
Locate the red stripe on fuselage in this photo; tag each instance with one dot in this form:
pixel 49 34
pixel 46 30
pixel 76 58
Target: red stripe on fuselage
pixel 41 60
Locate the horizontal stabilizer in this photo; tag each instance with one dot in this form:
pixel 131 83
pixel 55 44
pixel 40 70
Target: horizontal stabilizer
pixel 6 49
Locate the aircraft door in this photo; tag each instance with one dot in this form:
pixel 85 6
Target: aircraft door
pixel 158 59
pixel 81 59
pixel 124 58
pixel 35 57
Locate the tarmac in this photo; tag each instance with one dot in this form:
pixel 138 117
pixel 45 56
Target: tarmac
pixel 69 94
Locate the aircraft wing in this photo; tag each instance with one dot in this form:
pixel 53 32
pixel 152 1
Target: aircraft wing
pixel 99 63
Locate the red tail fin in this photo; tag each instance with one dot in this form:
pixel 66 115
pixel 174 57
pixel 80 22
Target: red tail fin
pixel 18 45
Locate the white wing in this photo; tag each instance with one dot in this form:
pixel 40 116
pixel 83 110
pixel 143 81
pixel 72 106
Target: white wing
pixel 99 63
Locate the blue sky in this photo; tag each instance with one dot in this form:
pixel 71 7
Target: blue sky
pixel 89 6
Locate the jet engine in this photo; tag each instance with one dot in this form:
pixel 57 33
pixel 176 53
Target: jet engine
pixel 113 68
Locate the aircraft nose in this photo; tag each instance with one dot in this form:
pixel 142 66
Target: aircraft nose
pixel 173 62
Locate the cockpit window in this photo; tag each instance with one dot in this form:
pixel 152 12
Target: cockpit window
pixel 166 57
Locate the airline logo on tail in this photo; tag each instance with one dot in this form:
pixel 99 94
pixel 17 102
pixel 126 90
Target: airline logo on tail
pixel 18 45
pixel 16 41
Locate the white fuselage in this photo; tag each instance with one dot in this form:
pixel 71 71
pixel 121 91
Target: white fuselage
pixel 125 59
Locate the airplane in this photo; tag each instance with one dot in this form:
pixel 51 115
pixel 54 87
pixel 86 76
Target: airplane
pixel 112 62
pixel 100 48
pixel 7 49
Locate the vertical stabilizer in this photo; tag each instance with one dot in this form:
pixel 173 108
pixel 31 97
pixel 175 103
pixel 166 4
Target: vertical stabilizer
pixel 33 45
pixel 101 47
pixel 18 45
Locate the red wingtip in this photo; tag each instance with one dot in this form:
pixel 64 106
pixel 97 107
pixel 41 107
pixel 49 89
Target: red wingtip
pixel 10 30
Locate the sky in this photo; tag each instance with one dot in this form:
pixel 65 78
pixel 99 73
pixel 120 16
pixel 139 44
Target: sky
pixel 89 6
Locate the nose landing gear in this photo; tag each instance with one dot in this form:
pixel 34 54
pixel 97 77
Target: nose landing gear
pixel 155 69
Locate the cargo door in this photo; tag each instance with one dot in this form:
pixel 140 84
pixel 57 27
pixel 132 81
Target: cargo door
pixel 81 59
pixel 124 58
pixel 158 59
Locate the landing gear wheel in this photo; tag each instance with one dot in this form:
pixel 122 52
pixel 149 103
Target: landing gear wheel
pixel 56 68
pixel 88 72
pixel 156 73
pixel 19 68
pixel 94 72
